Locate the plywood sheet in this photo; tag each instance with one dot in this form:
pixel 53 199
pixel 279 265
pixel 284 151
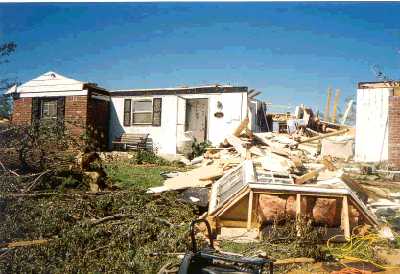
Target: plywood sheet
pixel 193 177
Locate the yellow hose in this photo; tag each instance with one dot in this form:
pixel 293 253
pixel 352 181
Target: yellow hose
pixel 356 242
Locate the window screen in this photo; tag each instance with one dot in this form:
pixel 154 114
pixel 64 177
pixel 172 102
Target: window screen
pixel 48 109
pixel 157 106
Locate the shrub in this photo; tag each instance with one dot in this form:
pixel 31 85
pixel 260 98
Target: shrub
pixel 149 157
pixel 43 145
pixel 199 149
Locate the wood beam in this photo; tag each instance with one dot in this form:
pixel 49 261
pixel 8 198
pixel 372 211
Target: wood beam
pixel 250 210
pixel 345 221
pixel 298 213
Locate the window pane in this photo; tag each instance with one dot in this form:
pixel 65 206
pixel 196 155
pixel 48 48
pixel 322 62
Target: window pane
pixel 142 106
pixel 142 118
pixel 49 108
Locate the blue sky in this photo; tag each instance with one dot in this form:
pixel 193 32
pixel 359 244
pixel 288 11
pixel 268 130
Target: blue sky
pixel 292 52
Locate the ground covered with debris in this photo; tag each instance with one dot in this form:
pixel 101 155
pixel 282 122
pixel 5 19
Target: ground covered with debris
pixel 272 195
pixel 111 232
pixel 87 213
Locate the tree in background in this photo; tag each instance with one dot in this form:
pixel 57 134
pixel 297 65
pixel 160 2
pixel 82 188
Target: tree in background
pixel 6 49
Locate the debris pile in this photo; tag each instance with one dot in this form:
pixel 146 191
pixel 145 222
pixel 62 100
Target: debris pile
pixel 302 171
pixel 296 171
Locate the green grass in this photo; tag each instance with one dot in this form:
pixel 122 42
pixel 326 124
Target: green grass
pixel 126 174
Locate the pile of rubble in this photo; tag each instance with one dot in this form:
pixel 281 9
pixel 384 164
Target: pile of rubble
pixel 254 180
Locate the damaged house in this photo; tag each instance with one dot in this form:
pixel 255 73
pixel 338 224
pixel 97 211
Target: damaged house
pixel 161 116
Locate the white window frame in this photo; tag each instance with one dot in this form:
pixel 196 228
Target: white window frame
pixel 133 111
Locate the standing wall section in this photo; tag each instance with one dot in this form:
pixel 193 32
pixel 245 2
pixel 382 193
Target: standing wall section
pixel 76 114
pixel 98 119
pixel 22 111
pixel 394 131
pixel 372 125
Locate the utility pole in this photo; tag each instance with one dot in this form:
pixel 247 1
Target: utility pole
pixel 328 104
pixel 335 104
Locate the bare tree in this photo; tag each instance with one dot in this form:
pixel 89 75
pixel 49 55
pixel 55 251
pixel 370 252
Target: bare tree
pixel 6 49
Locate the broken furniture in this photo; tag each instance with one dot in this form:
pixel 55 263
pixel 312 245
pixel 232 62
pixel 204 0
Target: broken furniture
pixel 129 141
pixel 209 260
pixel 244 199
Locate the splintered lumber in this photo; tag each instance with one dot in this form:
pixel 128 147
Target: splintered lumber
pixel 280 151
pixel 193 178
pixel 277 163
pixel 22 243
pixel 274 147
pixel 237 144
pixel 346 113
pixel 306 177
pixel 328 104
pixel 326 161
pixel 338 132
pixel 257 151
pixel 241 127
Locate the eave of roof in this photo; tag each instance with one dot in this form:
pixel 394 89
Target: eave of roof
pixel 378 84
pixel 179 90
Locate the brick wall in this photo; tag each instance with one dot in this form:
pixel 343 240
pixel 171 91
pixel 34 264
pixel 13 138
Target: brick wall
pixel 98 122
pixel 79 114
pixel 394 131
pixel 76 113
pixel 22 111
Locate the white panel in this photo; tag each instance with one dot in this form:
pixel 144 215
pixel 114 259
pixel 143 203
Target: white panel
pixel 45 88
pixel 50 81
pixel 372 124
pixel 54 94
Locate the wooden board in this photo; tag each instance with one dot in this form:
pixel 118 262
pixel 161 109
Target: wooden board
pixel 193 177
pixel 237 144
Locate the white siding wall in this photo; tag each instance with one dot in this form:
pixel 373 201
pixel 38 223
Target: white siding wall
pixel 234 107
pixel 173 118
pixel 372 124
pixel 164 137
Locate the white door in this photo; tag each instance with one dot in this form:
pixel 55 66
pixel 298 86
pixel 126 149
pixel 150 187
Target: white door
pixel 196 118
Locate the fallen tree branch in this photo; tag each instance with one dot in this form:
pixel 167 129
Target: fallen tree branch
pixel 35 182
pixel 71 195
pixel 22 243
pixel 43 194
pixel 109 218
pixel 122 216
pixel 8 170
